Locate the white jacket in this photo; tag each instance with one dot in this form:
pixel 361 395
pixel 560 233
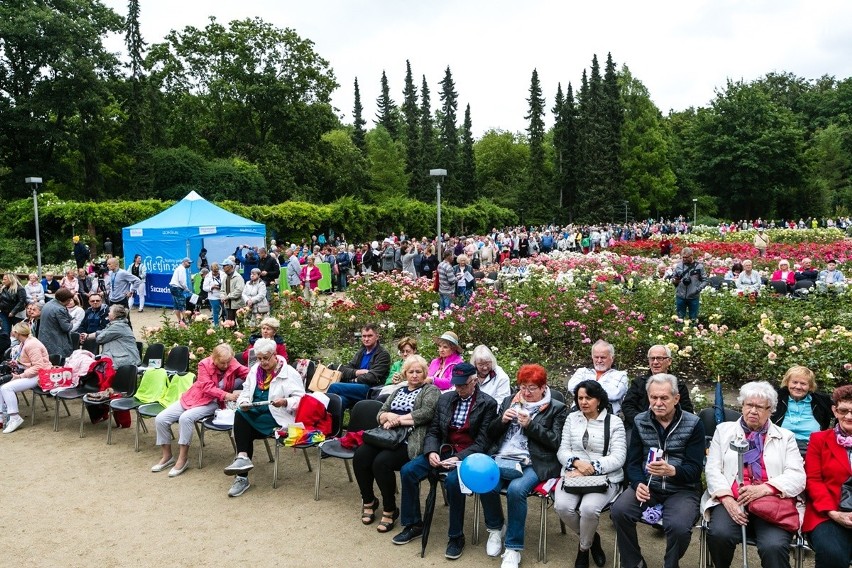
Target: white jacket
pixel 785 469
pixel 571 447
pixel 286 384
pixel 613 382
pixel 255 292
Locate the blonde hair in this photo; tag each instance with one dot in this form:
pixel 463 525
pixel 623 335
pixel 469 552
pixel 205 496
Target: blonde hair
pixel 271 322
pixel 800 371
pixel 21 328
pixel 414 360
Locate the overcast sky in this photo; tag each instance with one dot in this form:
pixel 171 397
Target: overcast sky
pixel 681 50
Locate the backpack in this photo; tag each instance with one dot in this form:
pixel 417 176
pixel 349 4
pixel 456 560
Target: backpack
pixel 475 262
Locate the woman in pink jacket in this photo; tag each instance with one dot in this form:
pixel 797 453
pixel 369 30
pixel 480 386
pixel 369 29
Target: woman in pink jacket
pixel 449 355
pixel 218 377
pixel 310 278
pixel 28 357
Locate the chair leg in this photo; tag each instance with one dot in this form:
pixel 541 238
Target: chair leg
pixel 562 526
pixel 109 424
pixel 26 400
pixel 349 470
pixel 82 413
pixel 268 450
pixel 43 403
pixel 138 423
pixel 233 442
pixel 542 535
pixel 319 471
pixel 275 466
pixel 56 414
pixel 200 446
pixel 32 411
pixel 616 559
pixel 307 459
pixel 67 412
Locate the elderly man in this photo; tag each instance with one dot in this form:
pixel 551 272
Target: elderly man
pixel 55 328
pixel 96 316
pixel 458 430
pixel 613 382
pixel 807 272
pixel 120 285
pixel 831 276
pixel 761 242
pixel 636 399
pixel 294 269
pixel 749 279
pixel 231 292
pixel 664 464
pixel 269 270
pixel 689 279
pixel 368 368
pixel 181 287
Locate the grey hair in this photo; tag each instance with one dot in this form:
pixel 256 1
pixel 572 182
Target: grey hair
pixel 759 389
pixel 118 311
pixel 666 347
pixel 264 346
pixel 609 347
pixel 662 379
pixel 483 353
pixel 255 271
pixel 686 250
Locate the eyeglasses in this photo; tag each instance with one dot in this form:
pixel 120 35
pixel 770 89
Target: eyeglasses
pixel 528 388
pixel 265 358
pixel 843 411
pixel 663 358
pixel 758 407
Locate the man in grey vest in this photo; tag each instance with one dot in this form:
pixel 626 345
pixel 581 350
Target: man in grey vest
pixel 664 464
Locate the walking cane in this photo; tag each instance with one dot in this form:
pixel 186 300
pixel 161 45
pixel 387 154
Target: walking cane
pixel 740 446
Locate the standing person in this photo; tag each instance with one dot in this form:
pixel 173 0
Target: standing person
pixel 84 285
pixel 181 287
pixel 344 266
pixel 408 253
pixel 446 281
pixel 368 368
pixel 30 356
pixel 13 300
pixel 55 328
pixel 429 264
pixel 120 284
pixel 232 290
pixel 254 294
pixel 212 285
pixel 465 282
pixel 138 270
pixel 309 278
pixel 761 242
pixel 671 480
pixel 294 269
pixel 269 271
pixel 689 279
pixel 81 252
pixel 202 261
pixel 108 247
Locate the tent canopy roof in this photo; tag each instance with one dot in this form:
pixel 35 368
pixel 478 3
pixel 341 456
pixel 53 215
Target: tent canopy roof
pixel 195 211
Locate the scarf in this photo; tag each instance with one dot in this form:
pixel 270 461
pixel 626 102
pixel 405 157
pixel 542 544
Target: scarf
pixel 753 458
pixel 515 441
pixel 263 378
pixel 844 440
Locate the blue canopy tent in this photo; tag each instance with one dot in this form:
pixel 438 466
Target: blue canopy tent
pixel 181 231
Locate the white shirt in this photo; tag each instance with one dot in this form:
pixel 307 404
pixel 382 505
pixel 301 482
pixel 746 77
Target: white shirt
pixel 613 382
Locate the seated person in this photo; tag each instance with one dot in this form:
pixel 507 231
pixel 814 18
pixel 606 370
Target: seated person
pixel 784 274
pixel 77 314
pixel 34 290
pixel 636 399
pixel 458 430
pixel 367 369
pixel 524 439
pixel 806 271
pixel 801 409
pixel 831 275
pixel 116 339
pixel 749 280
pixel 276 389
pixel 449 355
pixel 406 347
pixel 734 272
pixel 96 317
pixel 493 380
pixel 29 357
pixel 33 319
pixel 663 271
pixel 614 382
pixel 268 330
pixel 672 480
pixel 218 377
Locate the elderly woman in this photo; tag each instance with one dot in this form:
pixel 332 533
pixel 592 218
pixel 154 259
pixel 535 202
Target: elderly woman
pixel 34 290
pixel 28 358
pixel 213 285
pixel 410 406
pixel 254 294
pixel 465 282
pixel 270 397
pixel 268 330
pixel 593 443
pixel 828 467
pixel 13 300
pixel 218 377
pixel 116 339
pixel 449 355
pixel 493 380
pixel 310 277
pixel 524 439
pixel 800 408
pixel 772 467
pixel 784 274
pixel 70 281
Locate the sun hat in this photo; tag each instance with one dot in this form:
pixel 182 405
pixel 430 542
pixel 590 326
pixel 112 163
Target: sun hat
pixel 451 338
pixel 227 262
pixel 461 373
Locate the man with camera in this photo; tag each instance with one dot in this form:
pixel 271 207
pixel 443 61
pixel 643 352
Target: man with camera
pixel 689 279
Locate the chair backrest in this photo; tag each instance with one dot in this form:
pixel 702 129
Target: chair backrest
pixel 557 395
pixel 178 385
pixel 363 415
pixel 708 419
pixel 91 345
pixel 154 351
pixel 125 380
pixel 75 340
pixel 55 359
pixel 335 408
pixel 139 348
pixel 178 360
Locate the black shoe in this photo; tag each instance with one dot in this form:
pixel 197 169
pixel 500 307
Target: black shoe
pixel 598 554
pixel 582 560
pixel 408 534
pixel 455 547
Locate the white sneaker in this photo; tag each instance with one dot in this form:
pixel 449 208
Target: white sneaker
pixel 13 424
pixel 511 558
pixel 494 546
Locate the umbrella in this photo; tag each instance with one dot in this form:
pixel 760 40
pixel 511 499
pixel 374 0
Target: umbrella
pixel 429 512
pixel 719 403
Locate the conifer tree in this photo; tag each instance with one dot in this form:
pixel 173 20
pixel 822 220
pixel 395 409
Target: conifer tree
pixel 135 102
pixel 387 114
pixel 358 134
pixel 467 162
pixel 538 204
pixel 411 135
pixel 565 152
pixel 448 137
pixel 428 149
pixel 612 114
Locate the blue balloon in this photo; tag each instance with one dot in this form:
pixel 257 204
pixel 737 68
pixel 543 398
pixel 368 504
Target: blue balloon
pixel 479 473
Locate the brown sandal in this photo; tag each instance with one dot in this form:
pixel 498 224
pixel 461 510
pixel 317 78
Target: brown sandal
pixel 368 518
pixel 387 526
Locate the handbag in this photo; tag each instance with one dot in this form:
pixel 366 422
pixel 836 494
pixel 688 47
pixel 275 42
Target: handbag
pixel 780 511
pixel 387 439
pixel 846 496
pixel 583 484
pixel 323 378
pixel 55 378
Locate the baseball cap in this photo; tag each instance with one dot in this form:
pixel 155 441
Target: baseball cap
pixel 461 373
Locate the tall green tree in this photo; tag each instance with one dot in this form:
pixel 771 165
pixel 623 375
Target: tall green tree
pixel 448 138
pixel 386 166
pixel 411 135
pixel 138 122
pixel 565 153
pixel 359 122
pixel 467 161
pixel 612 115
pixel 428 146
pixel 829 170
pixel 540 203
pixel 387 115
pixel 502 159
pixel 54 98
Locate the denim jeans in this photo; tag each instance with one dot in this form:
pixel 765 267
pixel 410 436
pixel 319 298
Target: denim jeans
pixel 341 281
pixel 516 507
pixel 445 301
pixel 216 307
pixel 349 393
pixel 832 545
pixel 681 306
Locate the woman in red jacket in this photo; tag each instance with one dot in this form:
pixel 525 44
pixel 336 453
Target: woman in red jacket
pixel 310 278
pixel 828 466
pixel 268 329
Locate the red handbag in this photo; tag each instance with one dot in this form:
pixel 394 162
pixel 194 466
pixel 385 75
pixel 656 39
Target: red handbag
pixel 55 378
pixel 780 511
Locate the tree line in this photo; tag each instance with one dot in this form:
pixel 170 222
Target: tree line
pixel 242 111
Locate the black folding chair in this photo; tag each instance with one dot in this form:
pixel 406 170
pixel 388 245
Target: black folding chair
pixel 124 382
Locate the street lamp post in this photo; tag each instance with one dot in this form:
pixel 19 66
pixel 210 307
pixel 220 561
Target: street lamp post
pixel 694 212
pixel 440 174
pixel 35 182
